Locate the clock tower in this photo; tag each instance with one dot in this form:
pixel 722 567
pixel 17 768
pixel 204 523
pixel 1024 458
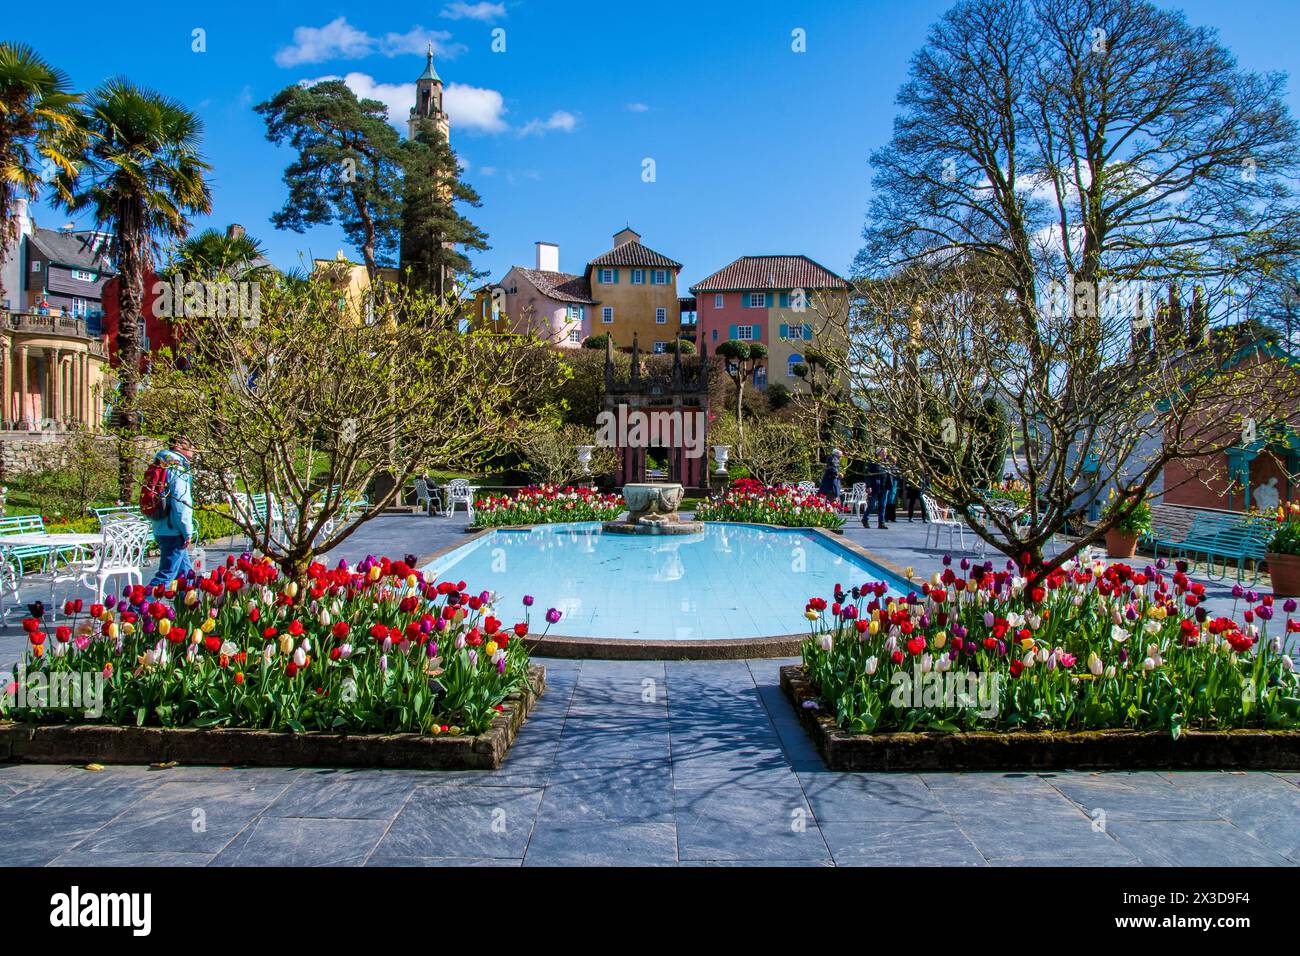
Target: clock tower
pixel 428 101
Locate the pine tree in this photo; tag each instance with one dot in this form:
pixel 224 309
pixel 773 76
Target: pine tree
pixel 435 236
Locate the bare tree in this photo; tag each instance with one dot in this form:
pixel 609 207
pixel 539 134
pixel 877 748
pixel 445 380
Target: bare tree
pixel 310 404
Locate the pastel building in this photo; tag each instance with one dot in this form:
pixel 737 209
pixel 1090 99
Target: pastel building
pixel 784 302
pixel 554 305
pixel 634 293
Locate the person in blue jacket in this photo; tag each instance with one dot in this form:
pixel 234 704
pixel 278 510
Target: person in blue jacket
pixel 175 529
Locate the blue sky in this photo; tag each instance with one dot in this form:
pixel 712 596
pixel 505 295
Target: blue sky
pixel 757 149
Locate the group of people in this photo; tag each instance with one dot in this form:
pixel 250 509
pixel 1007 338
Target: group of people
pixel 882 481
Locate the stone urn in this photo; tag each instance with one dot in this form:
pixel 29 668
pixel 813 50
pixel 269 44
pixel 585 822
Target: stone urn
pixel 1284 571
pixel 652 509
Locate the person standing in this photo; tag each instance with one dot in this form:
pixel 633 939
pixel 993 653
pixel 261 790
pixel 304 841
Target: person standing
pixel 830 483
pixel 167 499
pixel 914 496
pixel 879 485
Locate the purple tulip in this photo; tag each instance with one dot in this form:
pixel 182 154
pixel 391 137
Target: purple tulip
pixel 501 666
pixel 1265 613
pixel 528 600
pixel 1238 590
pixel 947 560
pixel 552 616
pixel 1289 605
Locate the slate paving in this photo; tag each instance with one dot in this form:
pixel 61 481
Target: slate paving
pixel 641 764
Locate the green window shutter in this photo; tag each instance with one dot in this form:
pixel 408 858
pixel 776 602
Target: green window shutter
pixel 767 300
pixel 785 302
pixel 757 333
pixel 733 332
pixel 615 277
pixel 785 331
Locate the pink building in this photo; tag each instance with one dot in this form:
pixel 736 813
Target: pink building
pixel 556 305
pixel 785 302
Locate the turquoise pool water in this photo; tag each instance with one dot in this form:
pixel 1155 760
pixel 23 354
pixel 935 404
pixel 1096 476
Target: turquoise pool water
pixel 731 581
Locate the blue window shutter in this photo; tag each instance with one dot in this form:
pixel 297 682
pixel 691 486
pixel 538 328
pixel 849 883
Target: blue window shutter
pixel 733 332
pixel 807 333
pixel 615 277
pixel 767 300
pixel 785 331
pixel 758 333
pixel 744 300
pixel 785 303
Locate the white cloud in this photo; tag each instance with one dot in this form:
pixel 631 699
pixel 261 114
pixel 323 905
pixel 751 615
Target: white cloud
pixel 637 108
pixel 460 10
pixel 474 108
pixel 415 42
pixel 469 108
pixel 487 171
pixel 339 40
pixel 561 120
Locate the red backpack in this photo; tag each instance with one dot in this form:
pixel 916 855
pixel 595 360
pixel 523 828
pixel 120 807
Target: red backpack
pixel 153 490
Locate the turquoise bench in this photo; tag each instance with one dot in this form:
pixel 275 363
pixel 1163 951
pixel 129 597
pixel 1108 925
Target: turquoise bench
pixel 1226 537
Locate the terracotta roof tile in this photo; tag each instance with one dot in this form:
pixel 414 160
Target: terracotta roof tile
pixel 560 286
pixel 770 272
pixel 632 253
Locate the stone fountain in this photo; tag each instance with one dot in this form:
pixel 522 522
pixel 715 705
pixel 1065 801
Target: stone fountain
pixel 652 509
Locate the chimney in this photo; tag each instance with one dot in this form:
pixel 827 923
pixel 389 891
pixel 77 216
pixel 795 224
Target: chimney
pixel 234 231
pixel 548 257
pixel 626 234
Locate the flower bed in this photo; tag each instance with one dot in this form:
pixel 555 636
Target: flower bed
pixel 375 649
pixel 752 501
pixel 546 504
pixel 1088 647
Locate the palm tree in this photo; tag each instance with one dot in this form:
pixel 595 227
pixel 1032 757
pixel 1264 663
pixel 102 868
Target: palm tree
pixel 142 177
pixel 213 253
pixel 39 132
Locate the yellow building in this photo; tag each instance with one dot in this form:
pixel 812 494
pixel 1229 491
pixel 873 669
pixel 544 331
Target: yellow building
pixel 54 371
pixel 634 292
pixel 351 279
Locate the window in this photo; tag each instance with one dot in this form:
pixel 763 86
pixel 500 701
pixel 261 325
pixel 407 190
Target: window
pixel 638 277
pixel 607 276
pixel 575 336
pixel 607 314
pixel 744 333
pixel 760 377
pixel 715 335
pixel 717 301
pixel 80 307
pixel 661 316
pixel 576 313
pixel 661 348
pixel 36 266
pixel 795 333
pixel 795 359
pixel 660 277
pixel 758 300
pixel 83 275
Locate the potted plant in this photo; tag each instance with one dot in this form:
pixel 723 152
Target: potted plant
pixel 1283 555
pixel 1134 520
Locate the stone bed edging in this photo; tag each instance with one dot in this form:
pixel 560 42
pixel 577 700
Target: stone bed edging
pixel 109 743
pixel 1037 750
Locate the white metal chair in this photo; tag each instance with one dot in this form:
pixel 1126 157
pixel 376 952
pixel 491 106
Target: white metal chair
pixel 122 555
pixel 427 498
pixel 807 487
pixel 939 518
pixel 458 492
pixel 855 498
pixel 9 596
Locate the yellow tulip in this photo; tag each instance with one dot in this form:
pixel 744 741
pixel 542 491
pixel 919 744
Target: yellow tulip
pixel 940 639
pixel 411 580
pixel 810 614
pixel 208 625
pixel 874 627
pixel 164 626
pixel 128 629
pixel 908 572
pixel 196 637
pixel 291 589
pixel 489 648
pixel 112 630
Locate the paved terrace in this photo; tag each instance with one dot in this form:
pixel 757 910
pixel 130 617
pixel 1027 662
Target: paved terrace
pixel 709 767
